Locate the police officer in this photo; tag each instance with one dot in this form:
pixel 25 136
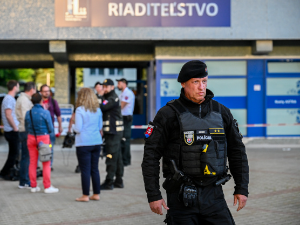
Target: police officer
pixel 194 134
pixel 113 132
pixel 127 105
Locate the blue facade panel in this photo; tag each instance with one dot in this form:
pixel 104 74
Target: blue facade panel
pixel 256 97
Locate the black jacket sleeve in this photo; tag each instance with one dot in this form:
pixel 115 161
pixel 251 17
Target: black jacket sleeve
pixel 111 103
pixel 153 151
pixel 237 157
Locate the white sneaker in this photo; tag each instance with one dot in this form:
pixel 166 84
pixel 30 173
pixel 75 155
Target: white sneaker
pixel 51 190
pixel 36 189
pixel 25 186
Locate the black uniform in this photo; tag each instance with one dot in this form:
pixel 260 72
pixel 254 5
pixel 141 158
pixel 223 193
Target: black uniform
pixel 113 132
pixel 166 139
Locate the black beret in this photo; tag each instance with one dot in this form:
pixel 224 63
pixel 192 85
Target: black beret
pixel 192 69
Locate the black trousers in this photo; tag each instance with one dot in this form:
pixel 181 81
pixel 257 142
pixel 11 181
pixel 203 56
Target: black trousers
pixel 12 138
pixel 210 209
pixel 114 162
pixel 125 144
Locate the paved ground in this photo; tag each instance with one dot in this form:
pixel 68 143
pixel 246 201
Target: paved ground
pixel 274 191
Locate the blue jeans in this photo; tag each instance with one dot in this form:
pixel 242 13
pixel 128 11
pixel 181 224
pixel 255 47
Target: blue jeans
pixel 88 158
pixel 52 139
pixel 24 163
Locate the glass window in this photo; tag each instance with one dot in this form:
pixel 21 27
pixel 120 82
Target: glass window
pixel 215 68
pixel 228 87
pixel 284 67
pixel 171 68
pixel 283 86
pixel 120 72
pixel 93 71
pixel 101 71
pixel 226 68
pixel 111 71
pixel 287 116
pixel 169 87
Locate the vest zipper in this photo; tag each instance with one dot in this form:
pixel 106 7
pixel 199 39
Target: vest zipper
pixel 200 111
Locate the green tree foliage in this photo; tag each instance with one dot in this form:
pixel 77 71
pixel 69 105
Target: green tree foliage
pixel 26 75
pixel 39 76
pixel 8 74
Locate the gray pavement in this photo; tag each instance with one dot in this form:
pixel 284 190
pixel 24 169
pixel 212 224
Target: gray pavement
pixel 274 191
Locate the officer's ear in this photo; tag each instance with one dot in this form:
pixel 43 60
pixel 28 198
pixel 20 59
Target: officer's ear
pixel 183 85
pixel 113 87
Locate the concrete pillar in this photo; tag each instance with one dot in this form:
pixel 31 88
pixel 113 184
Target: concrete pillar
pixel 58 50
pixel 62 82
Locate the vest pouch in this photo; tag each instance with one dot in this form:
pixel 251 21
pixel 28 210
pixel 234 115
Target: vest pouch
pixel 191 156
pixel 220 147
pixel 209 160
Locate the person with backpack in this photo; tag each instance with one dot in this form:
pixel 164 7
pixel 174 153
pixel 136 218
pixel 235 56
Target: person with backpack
pixel 51 105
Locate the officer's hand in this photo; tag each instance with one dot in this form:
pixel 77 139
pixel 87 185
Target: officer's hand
pixel 242 201
pixel 156 206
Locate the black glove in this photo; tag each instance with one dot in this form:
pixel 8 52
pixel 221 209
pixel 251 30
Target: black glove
pixel 189 195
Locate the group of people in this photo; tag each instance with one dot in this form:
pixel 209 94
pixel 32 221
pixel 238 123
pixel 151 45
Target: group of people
pixel 106 115
pixel 29 120
pixel 26 122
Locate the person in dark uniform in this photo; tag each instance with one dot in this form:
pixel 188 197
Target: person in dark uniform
pixel 195 135
pixel 113 133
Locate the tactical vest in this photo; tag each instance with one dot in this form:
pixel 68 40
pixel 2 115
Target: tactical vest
pixel 203 146
pixel 112 119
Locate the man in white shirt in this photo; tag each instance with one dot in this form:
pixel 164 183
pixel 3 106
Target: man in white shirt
pixel 11 129
pixel 127 105
pixel 23 105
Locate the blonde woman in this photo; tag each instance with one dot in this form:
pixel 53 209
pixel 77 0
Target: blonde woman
pixel 88 124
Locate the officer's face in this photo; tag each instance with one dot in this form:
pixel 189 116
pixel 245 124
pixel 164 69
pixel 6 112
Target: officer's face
pixel 195 89
pixel 108 88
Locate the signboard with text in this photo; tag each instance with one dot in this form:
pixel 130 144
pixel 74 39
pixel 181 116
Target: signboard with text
pixel 142 13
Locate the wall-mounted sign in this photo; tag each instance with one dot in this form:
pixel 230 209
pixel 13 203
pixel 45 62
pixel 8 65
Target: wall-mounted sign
pixel 142 13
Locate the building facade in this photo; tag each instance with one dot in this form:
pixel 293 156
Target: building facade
pixel 252 49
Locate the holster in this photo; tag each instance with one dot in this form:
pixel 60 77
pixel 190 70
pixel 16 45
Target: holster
pixel 171 185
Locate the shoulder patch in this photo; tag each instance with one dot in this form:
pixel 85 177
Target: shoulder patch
pixel 105 102
pixel 149 131
pixel 116 99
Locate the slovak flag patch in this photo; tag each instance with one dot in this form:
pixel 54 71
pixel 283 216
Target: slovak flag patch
pixel 149 131
pixel 105 102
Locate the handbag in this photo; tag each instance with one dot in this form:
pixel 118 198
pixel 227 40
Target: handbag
pixel 44 149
